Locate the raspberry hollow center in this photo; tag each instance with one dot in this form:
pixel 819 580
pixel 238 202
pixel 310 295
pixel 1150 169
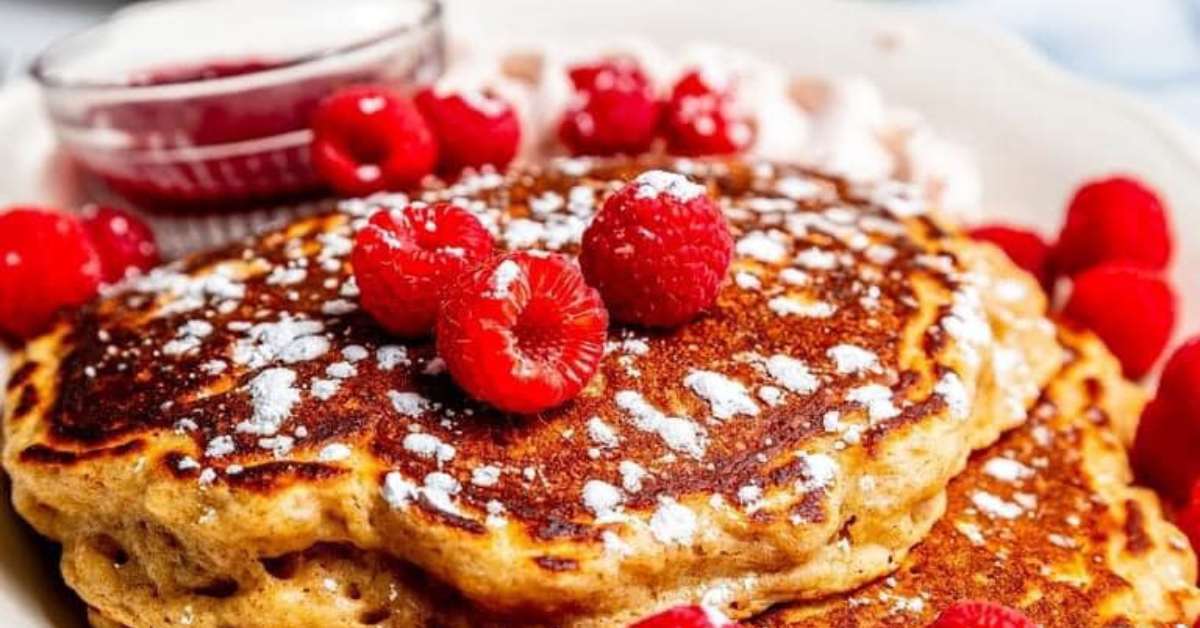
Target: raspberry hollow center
pixel 540 331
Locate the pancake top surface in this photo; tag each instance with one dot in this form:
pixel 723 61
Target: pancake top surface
pixel 259 354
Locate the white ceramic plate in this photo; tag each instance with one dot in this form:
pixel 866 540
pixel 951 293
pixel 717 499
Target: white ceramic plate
pixel 1036 131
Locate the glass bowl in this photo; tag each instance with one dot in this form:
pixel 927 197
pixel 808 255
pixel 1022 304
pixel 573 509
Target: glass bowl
pixel 206 103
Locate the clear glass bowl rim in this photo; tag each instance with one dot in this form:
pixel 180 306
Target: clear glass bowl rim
pixel 40 69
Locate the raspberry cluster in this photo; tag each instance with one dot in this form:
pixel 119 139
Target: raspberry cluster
pixel 1113 249
pixel 371 138
pixel 50 260
pixel 616 110
pixel 525 331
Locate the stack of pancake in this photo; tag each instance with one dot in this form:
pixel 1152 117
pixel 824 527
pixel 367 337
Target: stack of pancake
pixel 229 441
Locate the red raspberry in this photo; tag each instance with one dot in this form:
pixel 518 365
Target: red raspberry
pixel 613 111
pixel 686 617
pixel 701 118
pixel 125 244
pixel 1168 436
pixel 523 333
pixel 472 129
pixel 978 614
pixel 367 139
pixel 404 259
pixel 1114 220
pixel 1189 517
pixel 46 263
pixel 1025 248
pixel 658 250
pixel 1131 309
pixel 609 73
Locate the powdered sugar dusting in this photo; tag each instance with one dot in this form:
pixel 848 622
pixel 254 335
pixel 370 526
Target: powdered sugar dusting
pixel 506 273
pixel 652 183
pixel 726 396
pixel 602 434
pixel 678 433
pixel 408 403
pixel 762 247
pixel 673 523
pixel 272 394
pixel 334 452
pixel 1007 469
pixel 850 359
pixel 816 259
pixel 632 475
pixel 429 446
pixel 822 470
pixel 602 499
pixel 788 306
pixel 289 340
pixel 994 506
pixel 951 388
pixel 397 491
pixel 877 399
pixel 792 374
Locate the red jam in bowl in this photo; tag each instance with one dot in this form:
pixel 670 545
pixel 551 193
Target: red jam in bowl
pixel 188 124
pixel 201 72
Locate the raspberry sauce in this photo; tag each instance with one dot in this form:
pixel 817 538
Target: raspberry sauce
pixel 243 142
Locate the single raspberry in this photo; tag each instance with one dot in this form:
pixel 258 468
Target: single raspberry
pixel 46 263
pixel 619 72
pixel 125 244
pixel 404 259
pixel 686 617
pixel 979 614
pixel 1189 518
pixel 1025 248
pixel 367 139
pixel 613 111
pixel 701 118
pixel 1168 436
pixel 473 128
pixel 1131 309
pixel 523 333
pixel 658 250
pixel 1114 220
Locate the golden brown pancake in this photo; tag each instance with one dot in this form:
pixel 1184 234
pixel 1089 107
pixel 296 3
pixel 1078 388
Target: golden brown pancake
pixel 1044 521
pixel 200 423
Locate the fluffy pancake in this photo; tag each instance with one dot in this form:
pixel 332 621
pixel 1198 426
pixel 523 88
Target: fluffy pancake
pixel 204 421
pixel 1044 521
